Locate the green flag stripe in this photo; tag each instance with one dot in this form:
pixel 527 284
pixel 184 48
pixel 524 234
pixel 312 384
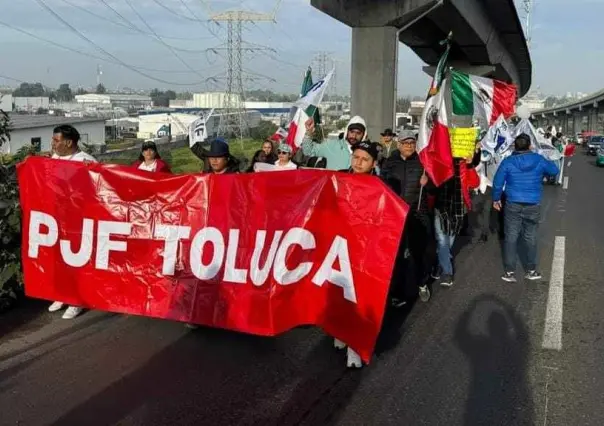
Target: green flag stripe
pixel 462 96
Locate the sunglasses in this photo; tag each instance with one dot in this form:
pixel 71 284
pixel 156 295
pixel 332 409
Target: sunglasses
pixel 282 152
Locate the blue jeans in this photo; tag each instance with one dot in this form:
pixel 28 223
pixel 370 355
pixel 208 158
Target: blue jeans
pixel 520 220
pixel 444 245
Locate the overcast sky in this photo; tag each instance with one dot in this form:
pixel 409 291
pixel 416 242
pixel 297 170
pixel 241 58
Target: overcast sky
pixel 567 52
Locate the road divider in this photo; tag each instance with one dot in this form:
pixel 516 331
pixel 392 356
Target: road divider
pixel 552 334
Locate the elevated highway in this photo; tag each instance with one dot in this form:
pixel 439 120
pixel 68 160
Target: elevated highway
pixel 574 117
pixel 487 40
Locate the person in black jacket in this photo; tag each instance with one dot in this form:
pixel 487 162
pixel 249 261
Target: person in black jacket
pixel 404 173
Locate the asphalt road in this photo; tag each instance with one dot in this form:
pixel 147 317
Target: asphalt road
pixel 473 355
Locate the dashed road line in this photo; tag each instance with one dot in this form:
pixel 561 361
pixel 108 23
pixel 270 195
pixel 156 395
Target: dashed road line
pixel 552 335
pixel 570 163
pixel 565 185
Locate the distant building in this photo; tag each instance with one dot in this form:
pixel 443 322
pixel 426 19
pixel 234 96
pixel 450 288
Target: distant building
pixel 37 130
pixel 533 104
pixel 152 126
pixel 415 111
pixel 182 103
pixel 115 100
pixel 30 104
pixel 212 100
pixel 6 102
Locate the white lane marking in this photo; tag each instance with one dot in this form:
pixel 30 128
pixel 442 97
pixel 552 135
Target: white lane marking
pixel 570 163
pixel 552 335
pixel 565 185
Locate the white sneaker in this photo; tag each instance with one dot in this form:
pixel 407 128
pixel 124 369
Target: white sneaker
pixel 338 344
pixel 353 359
pixel 56 306
pixel 72 312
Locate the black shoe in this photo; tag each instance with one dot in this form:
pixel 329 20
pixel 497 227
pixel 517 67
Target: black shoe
pixel 446 281
pixel 533 275
pixel 484 238
pixel 436 272
pixel 398 303
pixel 509 277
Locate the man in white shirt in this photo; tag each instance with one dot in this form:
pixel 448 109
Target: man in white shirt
pixel 65 140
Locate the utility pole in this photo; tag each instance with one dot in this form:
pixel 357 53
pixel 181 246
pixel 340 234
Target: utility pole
pixel 527 8
pixel 233 119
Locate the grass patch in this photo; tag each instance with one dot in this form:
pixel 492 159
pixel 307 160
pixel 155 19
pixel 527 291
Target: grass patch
pixel 182 160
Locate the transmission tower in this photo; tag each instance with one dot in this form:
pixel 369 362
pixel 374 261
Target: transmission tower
pixel 233 120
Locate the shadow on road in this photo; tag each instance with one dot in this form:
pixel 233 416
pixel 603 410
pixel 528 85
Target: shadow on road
pixel 496 343
pixel 212 376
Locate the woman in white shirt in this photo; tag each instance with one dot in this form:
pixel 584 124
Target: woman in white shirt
pixel 284 158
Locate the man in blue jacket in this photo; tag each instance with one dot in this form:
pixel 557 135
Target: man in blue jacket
pixel 522 176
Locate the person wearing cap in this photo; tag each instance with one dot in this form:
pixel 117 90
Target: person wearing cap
pixel 363 161
pixel 337 152
pixel 284 155
pixel 364 158
pixel 405 175
pixel 150 160
pixel 220 159
pixel 387 146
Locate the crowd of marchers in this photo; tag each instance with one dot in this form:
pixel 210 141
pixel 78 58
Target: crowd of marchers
pixel 437 214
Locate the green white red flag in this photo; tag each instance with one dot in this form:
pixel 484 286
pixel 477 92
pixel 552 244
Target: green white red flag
pixel 434 143
pixel 483 98
pixel 306 106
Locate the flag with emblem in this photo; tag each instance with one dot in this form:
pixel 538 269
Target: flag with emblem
pixel 434 143
pixel 483 98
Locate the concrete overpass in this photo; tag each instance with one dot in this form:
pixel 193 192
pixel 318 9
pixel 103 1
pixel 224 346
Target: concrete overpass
pixel 488 40
pixel 574 117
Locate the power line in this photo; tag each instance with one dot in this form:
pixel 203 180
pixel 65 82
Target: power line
pixel 88 54
pixel 128 27
pixel 82 36
pixel 132 26
pixel 176 55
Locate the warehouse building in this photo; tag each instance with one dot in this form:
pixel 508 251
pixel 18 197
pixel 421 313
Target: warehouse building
pixel 37 130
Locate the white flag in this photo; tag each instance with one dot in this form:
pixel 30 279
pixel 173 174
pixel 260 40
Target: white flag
pixel 197 130
pixel 306 107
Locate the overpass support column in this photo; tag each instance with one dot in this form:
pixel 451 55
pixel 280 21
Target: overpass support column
pixel 374 72
pixel 592 119
pixel 576 123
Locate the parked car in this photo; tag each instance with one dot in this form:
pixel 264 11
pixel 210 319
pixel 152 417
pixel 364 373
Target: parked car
pixel 600 157
pixel 593 144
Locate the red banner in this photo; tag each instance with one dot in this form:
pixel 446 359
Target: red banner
pixel 250 252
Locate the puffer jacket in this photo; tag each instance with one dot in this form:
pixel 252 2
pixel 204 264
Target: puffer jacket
pixel 403 177
pixel 336 151
pixel 522 175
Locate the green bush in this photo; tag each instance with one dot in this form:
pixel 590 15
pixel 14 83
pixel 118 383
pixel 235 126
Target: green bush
pixel 11 279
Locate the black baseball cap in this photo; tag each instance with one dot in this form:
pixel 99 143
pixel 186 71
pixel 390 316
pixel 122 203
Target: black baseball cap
pixel 370 147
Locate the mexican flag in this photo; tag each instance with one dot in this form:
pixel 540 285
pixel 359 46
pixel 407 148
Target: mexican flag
pixel 434 144
pixel 306 106
pixel 481 97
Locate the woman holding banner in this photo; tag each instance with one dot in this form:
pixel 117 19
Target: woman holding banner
pixel 150 160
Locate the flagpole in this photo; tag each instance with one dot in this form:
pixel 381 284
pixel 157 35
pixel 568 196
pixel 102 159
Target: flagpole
pixel 421 191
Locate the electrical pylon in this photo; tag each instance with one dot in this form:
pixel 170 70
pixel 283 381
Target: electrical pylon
pixel 233 120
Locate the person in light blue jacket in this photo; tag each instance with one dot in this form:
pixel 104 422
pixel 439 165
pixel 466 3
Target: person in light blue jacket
pixel 337 152
pixel 522 176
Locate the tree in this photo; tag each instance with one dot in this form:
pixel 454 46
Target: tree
pixel 31 90
pixel 403 104
pixel 11 278
pixel 100 89
pixel 184 96
pixel 161 98
pixel 63 93
pixel 265 129
pixel 81 91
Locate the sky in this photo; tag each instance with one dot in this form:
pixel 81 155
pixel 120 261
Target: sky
pixel 170 44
